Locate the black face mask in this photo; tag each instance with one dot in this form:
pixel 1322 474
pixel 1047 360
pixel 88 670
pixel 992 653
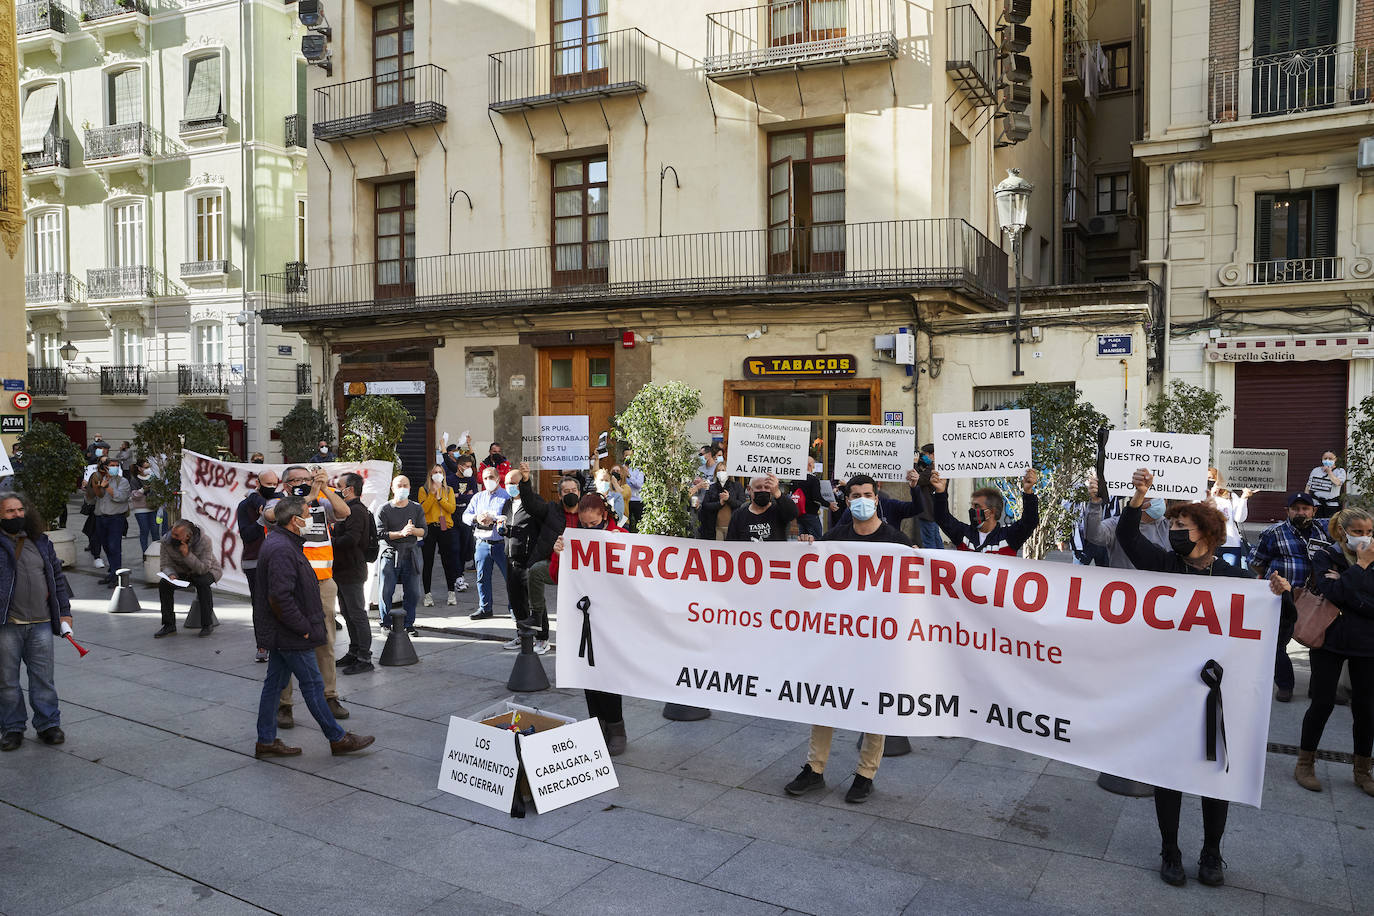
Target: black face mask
pixel 977 517
pixel 302 489
pixel 256 461
pixel 266 491
pixel 571 499
pixel 1302 523
pixel 762 497
pixel 13 525
pixel 1181 541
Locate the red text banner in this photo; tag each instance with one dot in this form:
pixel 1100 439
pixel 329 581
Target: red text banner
pixel 1096 667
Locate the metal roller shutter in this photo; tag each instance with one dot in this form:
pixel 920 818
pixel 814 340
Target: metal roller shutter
pixel 1298 406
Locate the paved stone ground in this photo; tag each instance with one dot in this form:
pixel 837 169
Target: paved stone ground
pixel 155 804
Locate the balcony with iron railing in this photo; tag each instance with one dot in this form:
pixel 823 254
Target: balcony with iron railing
pixel 214 122
pixel 409 98
pixel 119 141
pixel 296 278
pixel 127 381
pixel 598 66
pixel 1325 78
pixel 202 270
pixel 202 379
pixel 52 286
pixel 56 154
pixel 1295 270
pixel 105 19
pixel 293 126
pixel 38 16
pixel 47 382
pixel 304 383
pixel 970 55
pixel 842 260
pixel 122 282
pixel 798 34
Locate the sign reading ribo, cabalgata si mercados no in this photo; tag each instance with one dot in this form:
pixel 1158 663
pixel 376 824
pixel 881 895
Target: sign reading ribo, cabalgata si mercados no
pixel 818 365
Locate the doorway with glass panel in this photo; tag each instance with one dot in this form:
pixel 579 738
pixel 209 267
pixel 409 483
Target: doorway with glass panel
pixel 825 406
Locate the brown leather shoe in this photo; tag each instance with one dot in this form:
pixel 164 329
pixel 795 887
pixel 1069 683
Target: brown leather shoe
pixel 336 708
pixel 350 743
pixel 275 749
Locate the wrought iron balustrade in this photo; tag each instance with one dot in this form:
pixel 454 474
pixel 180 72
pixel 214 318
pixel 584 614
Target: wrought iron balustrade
pixel 47 382
pixel 970 54
pixel 407 98
pixel 294 127
pixel 204 268
pixel 41 16
pixel 304 383
pixel 123 380
pixel 92 10
pixel 121 282
pixel 799 33
pixel 56 154
pixel 592 66
pixel 297 280
pixel 117 141
pixel 53 286
pixel 202 123
pixel 202 379
pixel 1290 82
pixel 1296 270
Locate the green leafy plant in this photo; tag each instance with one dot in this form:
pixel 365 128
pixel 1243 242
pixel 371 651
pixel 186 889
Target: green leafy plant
pixel 372 429
pixel 1184 408
pixel 301 431
pixel 655 424
pixel 166 433
pixel 51 468
pixel 1359 458
pixel 1063 449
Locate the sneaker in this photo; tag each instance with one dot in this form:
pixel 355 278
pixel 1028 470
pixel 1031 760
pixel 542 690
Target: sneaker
pixel 541 646
pixel 53 735
pixel 429 600
pixel 412 632
pixel 336 708
pixel 858 792
pixel 350 743
pixel 511 644
pixel 261 656
pixel 99 563
pixel 1210 867
pixel 461 585
pixel 481 615
pixel 277 748
pixel 807 780
pixel 453 598
pixel 1171 868
pixel 349 659
pixel 358 668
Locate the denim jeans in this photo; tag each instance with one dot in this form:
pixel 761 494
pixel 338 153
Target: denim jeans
pixel 30 643
pixel 810 524
pixel 489 554
pixel 147 528
pixel 402 566
pixel 109 532
pixel 280 666
pixel 930 536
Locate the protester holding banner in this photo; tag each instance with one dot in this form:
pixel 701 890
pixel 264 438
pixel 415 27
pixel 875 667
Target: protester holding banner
pixel 438 501
pixel 984 532
pixel 718 504
pixel 1235 508
pixel 767 514
pixel 890 509
pixel 187 556
pixel 1341 574
pixel 1286 549
pixel 484 513
pixel 869 528
pixel 1325 484
pixel 1196 532
pixel 923 494
pixel 401 527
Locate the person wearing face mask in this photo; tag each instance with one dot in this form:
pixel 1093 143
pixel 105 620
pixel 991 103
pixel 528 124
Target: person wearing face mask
pixel 485 515
pixel 614 498
pixel 556 518
pixel 634 505
pixel 524 516
pixel 324 452
pixel 865 526
pixel 400 526
pixel 1196 531
pixel 984 533
pixel 809 519
pixel 719 502
pixel 1325 484
pixel 247 518
pixel 111 492
pixel 1286 548
pixel 767 514
pixel 352 536
pixel 465 484
pixel 145 513
pixel 438 500
pixel 1235 508
pixel 922 490
pixel 496 460
pixel 256 458
pixel 1099 524
pixel 1341 574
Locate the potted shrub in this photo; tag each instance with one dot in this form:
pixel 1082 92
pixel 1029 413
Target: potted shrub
pixel 301 431
pixel 161 438
pixel 373 427
pixel 48 475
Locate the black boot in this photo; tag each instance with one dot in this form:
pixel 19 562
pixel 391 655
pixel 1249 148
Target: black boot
pixel 1210 867
pixel 1171 869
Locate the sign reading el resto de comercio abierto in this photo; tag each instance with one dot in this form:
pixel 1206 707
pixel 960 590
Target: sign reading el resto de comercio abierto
pixel 814 365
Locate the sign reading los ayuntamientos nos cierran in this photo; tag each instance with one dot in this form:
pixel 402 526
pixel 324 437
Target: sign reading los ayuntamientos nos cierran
pixel 817 365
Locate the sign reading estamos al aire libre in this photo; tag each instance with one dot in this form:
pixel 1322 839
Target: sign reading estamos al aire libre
pixel 808 366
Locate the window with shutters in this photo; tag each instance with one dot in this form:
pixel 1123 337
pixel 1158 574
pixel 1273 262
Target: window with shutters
pixel 1295 56
pixel 39 119
pixel 581 220
pixel 806 195
pixel 204 106
pixel 47 245
pixel 1295 236
pixel 126 234
pixel 124 96
pixel 395 239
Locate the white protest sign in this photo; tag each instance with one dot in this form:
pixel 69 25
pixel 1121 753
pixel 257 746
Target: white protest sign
pixel 480 763
pixel 6 468
pixel 760 446
pixel 881 452
pixel 567 764
pixel 1254 468
pixel 982 443
pixel 555 442
pixel 1178 461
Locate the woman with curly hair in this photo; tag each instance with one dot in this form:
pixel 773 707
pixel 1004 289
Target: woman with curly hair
pixel 1196 532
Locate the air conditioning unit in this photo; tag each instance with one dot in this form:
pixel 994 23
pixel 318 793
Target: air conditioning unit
pixel 1102 225
pixel 1017 68
pixel 1016 96
pixel 1015 38
pixel 1017 11
pixel 1365 158
pixel 1018 126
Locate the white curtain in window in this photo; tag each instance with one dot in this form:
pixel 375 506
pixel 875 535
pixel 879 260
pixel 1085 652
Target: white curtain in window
pixel 129 346
pixel 40 113
pixel 49 351
pixel 209 343
pixel 203 91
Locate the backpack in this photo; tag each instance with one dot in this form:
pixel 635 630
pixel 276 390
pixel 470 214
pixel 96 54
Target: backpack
pixel 372 543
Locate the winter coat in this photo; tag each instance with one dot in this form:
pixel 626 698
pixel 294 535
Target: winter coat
pixel 1352 632
pixel 200 560
pixel 287 611
pixel 59 593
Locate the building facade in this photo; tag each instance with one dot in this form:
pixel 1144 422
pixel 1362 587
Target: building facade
pixel 11 237
pixel 538 207
pixel 1261 220
pixel 162 169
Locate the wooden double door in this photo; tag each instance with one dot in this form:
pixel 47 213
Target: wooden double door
pixel 577 381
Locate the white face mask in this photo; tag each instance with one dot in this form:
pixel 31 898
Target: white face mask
pixel 437 478
pixel 402 493
pixel 489 485
pixel 324 449
pixel 1356 544
pixel 467 472
pixel 603 487
pixel 722 477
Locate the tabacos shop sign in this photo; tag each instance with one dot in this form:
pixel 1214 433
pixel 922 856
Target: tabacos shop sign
pixel 808 366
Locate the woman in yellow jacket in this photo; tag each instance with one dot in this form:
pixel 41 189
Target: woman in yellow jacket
pixel 439 501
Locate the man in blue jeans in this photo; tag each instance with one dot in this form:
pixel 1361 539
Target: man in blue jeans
pixel 289 622
pixel 401 527
pixel 486 516
pixel 35 606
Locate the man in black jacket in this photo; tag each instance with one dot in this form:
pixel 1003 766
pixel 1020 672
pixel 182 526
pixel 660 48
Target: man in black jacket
pixel 809 521
pixel 554 518
pixel 725 495
pixel 350 574
pixel 525 512
pixel 251 532
pixel 289 621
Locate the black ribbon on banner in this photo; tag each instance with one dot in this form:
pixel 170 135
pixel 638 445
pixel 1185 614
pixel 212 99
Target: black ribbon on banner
pixel 1216 718
pixel 584 648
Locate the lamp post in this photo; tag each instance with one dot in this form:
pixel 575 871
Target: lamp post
pixel 243 319
pixel 1013 203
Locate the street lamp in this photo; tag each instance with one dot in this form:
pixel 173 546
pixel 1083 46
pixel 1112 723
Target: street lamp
pixel 1013 203
pixel 67 351
pixel 243 319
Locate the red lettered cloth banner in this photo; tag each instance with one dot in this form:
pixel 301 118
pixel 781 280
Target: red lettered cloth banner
pixel 1096 667
pixel 211 491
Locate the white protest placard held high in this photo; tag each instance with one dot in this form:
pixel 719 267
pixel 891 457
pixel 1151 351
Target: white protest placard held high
pixel 761 446
pixel 567 764
pixel 881 452
pixel 1178 461
pixel 1254 468
pixel 555 442
pixel 6 468
pixel 982 443
pixel 480 763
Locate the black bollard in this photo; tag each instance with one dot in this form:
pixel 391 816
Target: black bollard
pixel 194 617
pixel 893 745
pixel 398 652
pixel 1120 785
pixel 527 675
pixel 680 713
pixel 123 600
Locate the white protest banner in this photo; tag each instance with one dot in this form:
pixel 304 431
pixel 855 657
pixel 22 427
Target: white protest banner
pixel 881 452
pixel 6 468
pixel 1254 468
pixel 982 443
pixel 480 763
pixel 556 443
pixel 1100 668
pixel 567 764
pixel 760 446
pixel 1178 461
pixel 211 491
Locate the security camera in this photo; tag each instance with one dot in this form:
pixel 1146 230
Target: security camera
pixel 755 334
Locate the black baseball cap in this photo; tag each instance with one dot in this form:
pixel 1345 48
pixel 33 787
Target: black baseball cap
pixel 1301 498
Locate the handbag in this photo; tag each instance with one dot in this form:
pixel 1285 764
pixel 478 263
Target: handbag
pixel 88 508
pixel 1315 614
